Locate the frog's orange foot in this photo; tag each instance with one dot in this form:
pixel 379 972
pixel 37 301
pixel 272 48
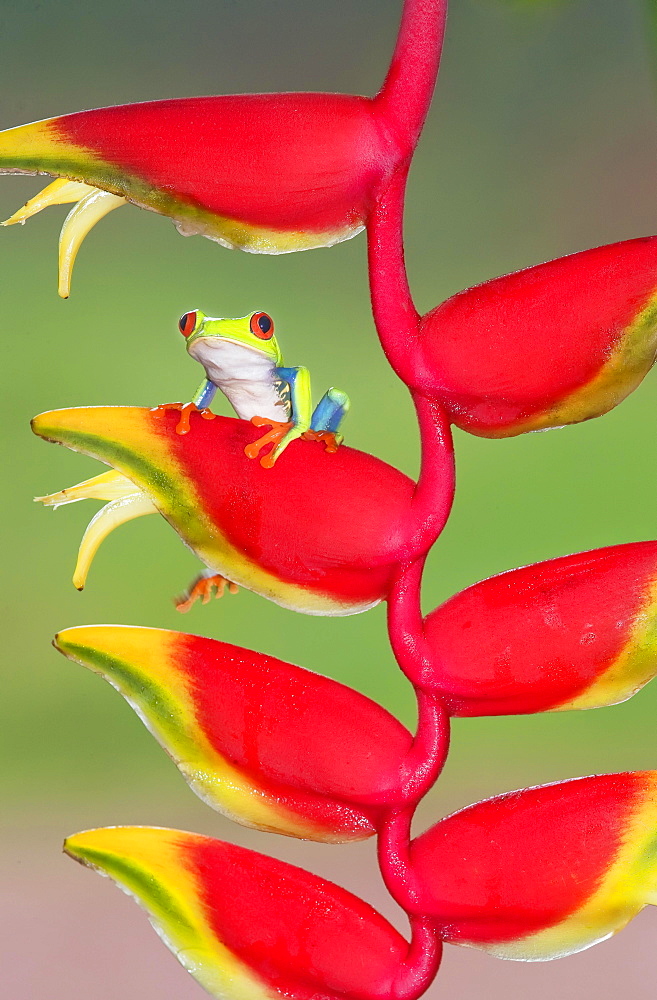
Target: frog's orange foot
pixel 201 590
pixel 185 410
pixel 272 437
pixel 330 440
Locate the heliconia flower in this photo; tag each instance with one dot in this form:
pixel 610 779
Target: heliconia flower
pixel 318 533
pixel 269 744
pixel 550 345
pixel 246 925
pixel 571 633
pixel 266 173
pixel 544 872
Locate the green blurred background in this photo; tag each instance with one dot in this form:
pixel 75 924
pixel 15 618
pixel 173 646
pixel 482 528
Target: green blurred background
pixel 542 141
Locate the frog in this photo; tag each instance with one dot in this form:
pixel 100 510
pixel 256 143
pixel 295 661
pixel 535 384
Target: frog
pixel 243 359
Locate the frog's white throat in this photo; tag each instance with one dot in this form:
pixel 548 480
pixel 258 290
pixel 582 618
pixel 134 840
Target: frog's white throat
pixel 247 377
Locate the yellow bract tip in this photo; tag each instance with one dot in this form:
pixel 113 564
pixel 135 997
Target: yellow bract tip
pixel 110 485
pixel 127 508
pixel 126 502
pixel 78 223
pixel 60 192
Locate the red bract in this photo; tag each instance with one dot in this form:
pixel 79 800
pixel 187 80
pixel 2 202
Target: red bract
pixel 550 345
pixel 247 925
pixel 269 744
pixel 574 632
pixel 268 173
pixel 543 872
pixel 320 533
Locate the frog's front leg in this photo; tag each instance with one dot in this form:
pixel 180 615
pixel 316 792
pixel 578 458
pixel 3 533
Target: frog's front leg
pixel 200 404
pixel 327 418
pixel 282 434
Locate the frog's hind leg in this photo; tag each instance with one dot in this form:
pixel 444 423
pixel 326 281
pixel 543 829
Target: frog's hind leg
pixel 330 411
pixel 327 418
pixel 202 589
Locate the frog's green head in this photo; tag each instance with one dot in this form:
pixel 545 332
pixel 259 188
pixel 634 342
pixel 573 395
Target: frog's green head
pixel 255 331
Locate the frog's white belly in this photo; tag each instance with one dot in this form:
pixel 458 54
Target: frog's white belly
pixel 249 399
pixel 246 377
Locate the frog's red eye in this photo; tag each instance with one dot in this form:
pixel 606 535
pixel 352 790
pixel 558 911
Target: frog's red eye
pixel 262 326
pixel 187 323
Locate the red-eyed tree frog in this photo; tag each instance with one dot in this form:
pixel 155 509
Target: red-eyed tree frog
pixel 242 358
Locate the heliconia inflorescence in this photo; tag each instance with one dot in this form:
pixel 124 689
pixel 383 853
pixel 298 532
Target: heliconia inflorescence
pixel 531 875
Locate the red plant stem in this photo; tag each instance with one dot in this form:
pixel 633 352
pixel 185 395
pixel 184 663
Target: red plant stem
pixel 403 102
pixel 397 322
pixel 393 848
pixel 425 950
pixel 430 747
pixel 406 627
pixel 432 503
pixel 395 316
pixel 434 491
pixel 424 763
pixel 407 90
pixel 422 962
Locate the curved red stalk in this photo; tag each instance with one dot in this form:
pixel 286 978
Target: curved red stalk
pixel 395 316
pixel 432 503
pixel 403 101
pixel 406 625
pixel 406 94
pixel 434 491
pixel 406 630
pixel 393 848
pixel 429 750
pixel 425 762
pixel 422 962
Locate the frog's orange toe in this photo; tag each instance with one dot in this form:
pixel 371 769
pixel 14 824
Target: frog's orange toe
pixel 330 440
pixel 202 589
pixel 185 410
pixel 274 436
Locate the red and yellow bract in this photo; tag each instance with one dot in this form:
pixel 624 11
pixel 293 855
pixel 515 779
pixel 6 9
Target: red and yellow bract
pixel 543 872
pixel 246 925
pixel 266 173
pixel 574 632
pixel 261 172
pixel 550 345
pixel 269 744
pixel 319 533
